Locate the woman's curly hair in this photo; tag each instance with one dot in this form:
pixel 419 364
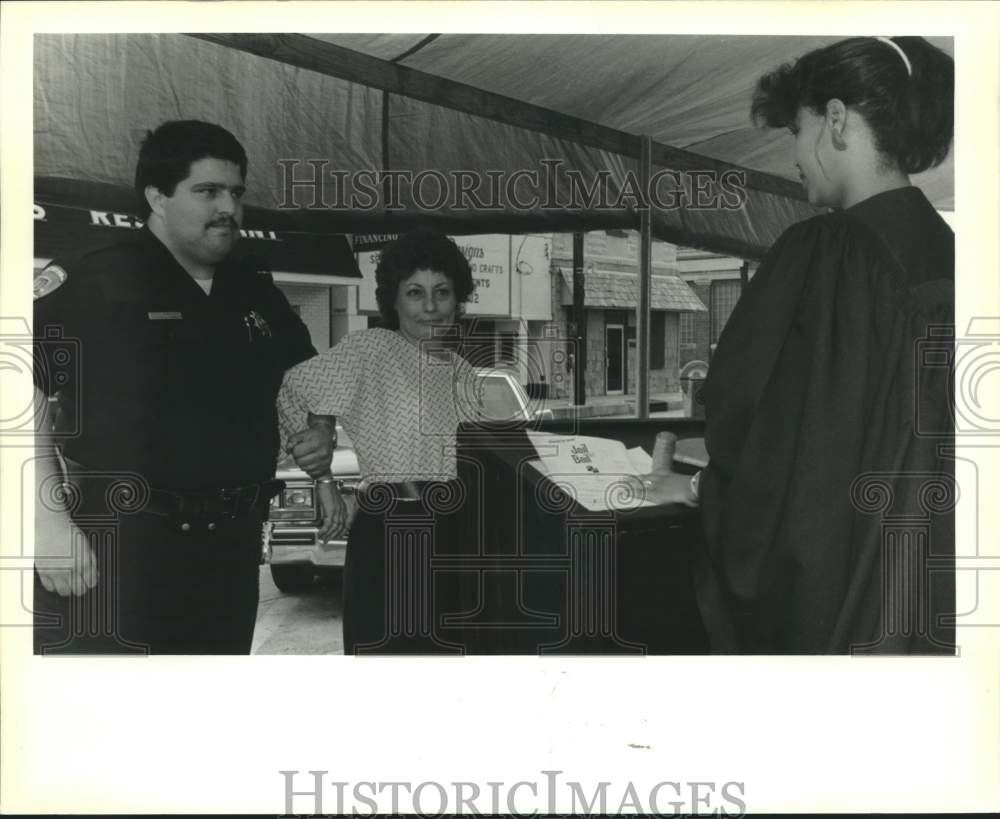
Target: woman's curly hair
pixel 419 249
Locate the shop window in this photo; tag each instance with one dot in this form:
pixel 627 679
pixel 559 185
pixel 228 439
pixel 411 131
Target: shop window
pixel 723 297
pixel 686 335
pixel 506 345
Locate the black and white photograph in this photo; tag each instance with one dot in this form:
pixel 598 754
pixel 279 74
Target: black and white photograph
pixel 581 408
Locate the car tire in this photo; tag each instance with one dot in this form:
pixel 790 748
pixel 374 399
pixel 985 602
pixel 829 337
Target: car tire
pixel 292 579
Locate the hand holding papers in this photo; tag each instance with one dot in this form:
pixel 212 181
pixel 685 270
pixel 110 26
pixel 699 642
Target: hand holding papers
pixel 662 484
pixel 601 475
pixel 597 473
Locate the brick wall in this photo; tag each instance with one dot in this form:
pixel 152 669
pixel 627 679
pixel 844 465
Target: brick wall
pixel 667 379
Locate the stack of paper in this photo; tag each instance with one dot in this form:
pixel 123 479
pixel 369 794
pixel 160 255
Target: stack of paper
pixel 598 473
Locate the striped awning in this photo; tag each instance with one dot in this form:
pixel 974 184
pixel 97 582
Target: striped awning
pixel 615 290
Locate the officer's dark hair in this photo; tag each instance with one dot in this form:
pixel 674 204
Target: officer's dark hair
pixel 911 115
pixel 419 249
pixel 167 153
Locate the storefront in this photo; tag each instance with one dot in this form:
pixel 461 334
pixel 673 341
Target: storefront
pixel 611 294
pixel 609 299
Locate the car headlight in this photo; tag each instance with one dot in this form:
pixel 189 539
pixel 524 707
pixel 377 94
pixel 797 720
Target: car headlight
pixel 297 497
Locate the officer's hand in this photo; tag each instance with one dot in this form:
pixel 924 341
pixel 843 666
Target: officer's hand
pixel 663 485
pixel 333 511
pixel 63 558
pixel 312 449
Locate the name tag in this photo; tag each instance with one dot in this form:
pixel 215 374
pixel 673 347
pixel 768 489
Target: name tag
pixel 165 315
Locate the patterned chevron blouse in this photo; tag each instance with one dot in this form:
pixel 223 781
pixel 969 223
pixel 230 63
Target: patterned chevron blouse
pixel 400 405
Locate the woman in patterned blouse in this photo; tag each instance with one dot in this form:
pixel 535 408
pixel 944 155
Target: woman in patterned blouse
pixel 400 392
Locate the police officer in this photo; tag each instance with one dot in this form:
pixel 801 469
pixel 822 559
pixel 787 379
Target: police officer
pixel 149 514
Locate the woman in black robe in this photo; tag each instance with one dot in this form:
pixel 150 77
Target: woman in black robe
pixel 828 500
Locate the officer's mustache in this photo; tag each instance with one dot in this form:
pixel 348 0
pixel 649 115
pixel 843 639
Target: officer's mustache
pixel 226 221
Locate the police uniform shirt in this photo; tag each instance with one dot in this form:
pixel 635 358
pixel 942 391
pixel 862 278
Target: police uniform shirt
pixel 168 381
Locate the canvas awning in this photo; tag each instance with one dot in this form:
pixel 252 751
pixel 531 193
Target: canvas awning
pixel 61 232
pixel 308 105
pixel 615 290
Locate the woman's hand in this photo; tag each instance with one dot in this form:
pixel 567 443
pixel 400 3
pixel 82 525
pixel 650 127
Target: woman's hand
pixel 333 511
pixel 663 485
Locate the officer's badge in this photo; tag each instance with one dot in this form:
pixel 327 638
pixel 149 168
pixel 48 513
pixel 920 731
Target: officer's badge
pixel 257 325
pixel 48 281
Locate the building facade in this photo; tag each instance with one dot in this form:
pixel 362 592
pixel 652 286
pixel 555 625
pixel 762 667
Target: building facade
pixel 611 293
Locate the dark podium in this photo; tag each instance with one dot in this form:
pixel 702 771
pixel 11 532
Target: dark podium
pixel 527 570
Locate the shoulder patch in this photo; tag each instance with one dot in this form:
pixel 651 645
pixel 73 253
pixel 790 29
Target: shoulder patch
pixel 48 280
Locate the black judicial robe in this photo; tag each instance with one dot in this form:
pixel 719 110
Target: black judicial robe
pixel 828 501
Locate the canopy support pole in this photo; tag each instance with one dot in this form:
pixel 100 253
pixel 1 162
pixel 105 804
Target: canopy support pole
pixel 645 284
pixel 579 324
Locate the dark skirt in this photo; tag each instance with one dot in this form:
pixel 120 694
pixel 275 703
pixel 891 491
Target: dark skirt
pixel 394 594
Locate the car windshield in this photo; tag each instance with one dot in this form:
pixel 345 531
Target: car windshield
pixel 499 402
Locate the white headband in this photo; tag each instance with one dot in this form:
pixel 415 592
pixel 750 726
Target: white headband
pixel 906 60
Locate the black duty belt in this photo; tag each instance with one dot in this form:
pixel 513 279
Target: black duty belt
pixel 188 509
pixel 213 506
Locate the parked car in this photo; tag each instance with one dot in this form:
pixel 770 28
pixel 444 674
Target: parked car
pixel 291 544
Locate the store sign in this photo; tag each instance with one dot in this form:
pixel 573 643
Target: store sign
pixel 489 259
pixel 364 242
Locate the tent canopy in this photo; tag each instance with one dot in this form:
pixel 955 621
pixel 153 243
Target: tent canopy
pixel 487 133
